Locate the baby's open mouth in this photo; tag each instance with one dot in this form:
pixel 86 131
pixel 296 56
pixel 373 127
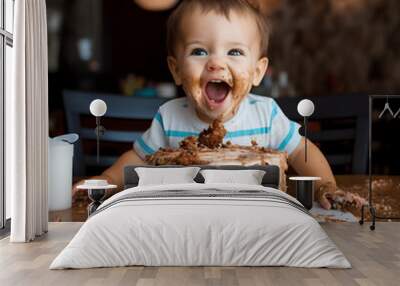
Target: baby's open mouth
pixel 216 91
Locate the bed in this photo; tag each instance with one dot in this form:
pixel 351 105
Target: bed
pixel 201 224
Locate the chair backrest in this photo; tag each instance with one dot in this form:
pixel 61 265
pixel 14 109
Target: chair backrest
pixel 343 121
pixel 76 104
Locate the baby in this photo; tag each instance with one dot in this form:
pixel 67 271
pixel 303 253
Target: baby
pixel 217 50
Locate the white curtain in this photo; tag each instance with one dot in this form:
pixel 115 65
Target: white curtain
pixel 27 123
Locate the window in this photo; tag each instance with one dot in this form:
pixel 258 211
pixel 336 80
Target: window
pixel 6 44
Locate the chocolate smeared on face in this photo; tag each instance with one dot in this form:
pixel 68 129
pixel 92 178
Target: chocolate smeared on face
pixel 218 98
pixel 217 61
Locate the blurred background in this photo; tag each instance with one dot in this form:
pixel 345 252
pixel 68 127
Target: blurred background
pixel 335 52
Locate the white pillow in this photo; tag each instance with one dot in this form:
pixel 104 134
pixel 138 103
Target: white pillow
pixel 249 177
pixel 164 176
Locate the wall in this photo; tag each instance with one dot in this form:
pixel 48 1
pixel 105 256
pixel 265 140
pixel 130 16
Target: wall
pixel 331 46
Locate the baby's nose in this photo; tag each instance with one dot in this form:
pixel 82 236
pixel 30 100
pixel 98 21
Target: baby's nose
pixel 215 64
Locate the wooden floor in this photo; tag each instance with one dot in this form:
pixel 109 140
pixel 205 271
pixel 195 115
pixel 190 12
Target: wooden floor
pixel 375 256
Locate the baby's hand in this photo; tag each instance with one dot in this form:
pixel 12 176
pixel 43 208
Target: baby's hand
pixel 330 194
pixel 324 195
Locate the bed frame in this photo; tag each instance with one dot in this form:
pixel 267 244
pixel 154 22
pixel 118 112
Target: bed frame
pixel 270 179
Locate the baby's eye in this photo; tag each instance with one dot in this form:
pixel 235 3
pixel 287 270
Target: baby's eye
pixel 236 52
pixel 198 52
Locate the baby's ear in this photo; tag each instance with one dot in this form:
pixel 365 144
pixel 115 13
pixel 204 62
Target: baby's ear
pixel 261 68
pixel 173 68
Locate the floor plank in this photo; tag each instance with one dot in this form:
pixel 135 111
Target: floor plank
pixel 375 257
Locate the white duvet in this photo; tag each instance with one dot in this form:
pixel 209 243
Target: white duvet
pixel 200 231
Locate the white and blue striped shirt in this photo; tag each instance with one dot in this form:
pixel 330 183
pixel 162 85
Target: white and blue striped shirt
pixel 258 118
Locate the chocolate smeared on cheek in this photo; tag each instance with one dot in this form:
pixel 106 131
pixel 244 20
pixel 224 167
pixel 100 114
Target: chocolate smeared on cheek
pixel 242 84
pixel 228 80
pixel 192 88
pixel 241 87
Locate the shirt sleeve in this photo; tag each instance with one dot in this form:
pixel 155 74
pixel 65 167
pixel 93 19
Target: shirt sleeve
pixel 152 139
pixel 284 132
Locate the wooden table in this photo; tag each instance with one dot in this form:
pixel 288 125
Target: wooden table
pixel 386 197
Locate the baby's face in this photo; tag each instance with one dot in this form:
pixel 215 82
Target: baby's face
pixel 217 62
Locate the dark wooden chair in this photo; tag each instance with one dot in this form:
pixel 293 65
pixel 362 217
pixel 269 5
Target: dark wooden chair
pixel 343 129
pixel 121 111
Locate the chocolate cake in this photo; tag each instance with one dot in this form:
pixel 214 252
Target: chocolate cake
pixel 209 149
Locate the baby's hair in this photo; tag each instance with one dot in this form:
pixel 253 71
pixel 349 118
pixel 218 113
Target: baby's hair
pixel 221 7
